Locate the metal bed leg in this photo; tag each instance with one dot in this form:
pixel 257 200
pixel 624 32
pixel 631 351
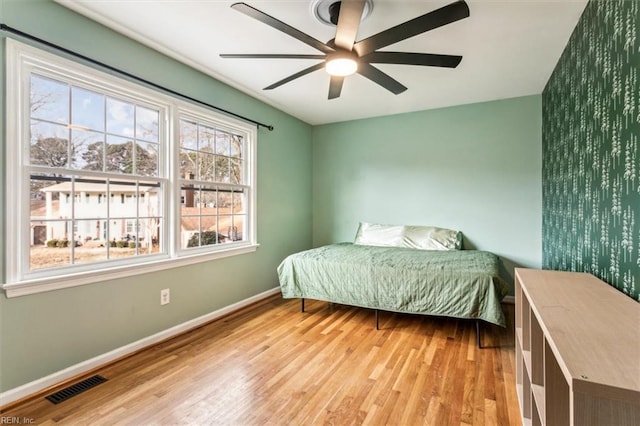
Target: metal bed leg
pixel 478 334
pixel 302 306
pixel 377 321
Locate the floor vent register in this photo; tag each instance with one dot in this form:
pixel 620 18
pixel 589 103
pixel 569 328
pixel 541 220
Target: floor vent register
pixel 75 389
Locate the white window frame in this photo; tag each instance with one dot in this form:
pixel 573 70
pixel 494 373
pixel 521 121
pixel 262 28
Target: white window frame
pixel 200 116
pixel 21 60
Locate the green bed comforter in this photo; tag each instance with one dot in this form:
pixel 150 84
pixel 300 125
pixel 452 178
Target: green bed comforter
pixel 458 283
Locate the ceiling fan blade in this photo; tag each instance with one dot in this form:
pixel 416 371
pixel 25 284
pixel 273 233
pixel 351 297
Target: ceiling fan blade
pixel 434 19
pixel 281 26
pixel 348 23
pixel 269 56
pixel 296 75
pixel 377 76
pixel 335 87
pixel 406 58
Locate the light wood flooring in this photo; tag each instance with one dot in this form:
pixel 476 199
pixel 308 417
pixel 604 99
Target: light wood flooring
pixel 273 365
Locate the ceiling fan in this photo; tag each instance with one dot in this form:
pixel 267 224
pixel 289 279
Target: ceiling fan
pixel 344 56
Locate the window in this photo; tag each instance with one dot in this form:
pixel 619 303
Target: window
pixel 179 178
pixel 212 184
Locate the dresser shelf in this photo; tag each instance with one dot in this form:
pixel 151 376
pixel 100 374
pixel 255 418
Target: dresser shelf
pixel 577 350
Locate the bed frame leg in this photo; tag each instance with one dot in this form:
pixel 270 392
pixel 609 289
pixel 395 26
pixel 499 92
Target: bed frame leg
pixel 377 321
pixel 302 305
pixel 478 334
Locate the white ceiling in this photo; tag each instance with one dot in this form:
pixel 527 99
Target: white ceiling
pixel 509 49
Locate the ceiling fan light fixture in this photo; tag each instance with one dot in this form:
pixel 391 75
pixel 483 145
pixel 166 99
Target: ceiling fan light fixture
pixel 341 64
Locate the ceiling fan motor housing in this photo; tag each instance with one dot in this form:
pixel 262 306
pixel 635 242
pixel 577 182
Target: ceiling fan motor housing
pixel 327 11
pixel 334 12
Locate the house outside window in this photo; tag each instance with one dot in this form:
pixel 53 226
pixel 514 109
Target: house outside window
pixel 180 179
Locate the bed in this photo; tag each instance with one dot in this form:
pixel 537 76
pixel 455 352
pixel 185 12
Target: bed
pixel 452 283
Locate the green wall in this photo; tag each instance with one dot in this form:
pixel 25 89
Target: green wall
pixel 475 168
pixel 591 164
pixel 44 333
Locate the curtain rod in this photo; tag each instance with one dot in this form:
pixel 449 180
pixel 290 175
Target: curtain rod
pixel 22 34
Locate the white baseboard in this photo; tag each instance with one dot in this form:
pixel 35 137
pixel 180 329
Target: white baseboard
pixel 509 299
pixel 39 385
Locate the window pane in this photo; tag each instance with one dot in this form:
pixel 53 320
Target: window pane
pixel 87 230
pixel 235 171
pixel 120 117
pixel 222 169
pixel 188 135
pixel 206 166
pixel 38 195
pixel 208 200
pixel 40 204
pixel 196 199
pixel 56 251
pixel 147 124
pixel 149 201
pixel 38 233
pixel 238 202
pixel 113 234
pixel 49 99
pixel 189 232
pixel 88 150
pixel 90 247
pixel 236 146
pixel 51 198
pixel 49 144
pixel 224 202
pixel 223 143
pixel 237 233
pixel 91 202
pixel 225 227
pixel 147 159
pixel 206 139
pixel 188 161
pixel 209 235
pixel 119 240
pixel 189 195
pixel 118 229
pixel 123 199
pixel 87 109
pixel 119 155
pixel 149 235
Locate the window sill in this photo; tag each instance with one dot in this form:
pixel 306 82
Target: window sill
pixel 26 287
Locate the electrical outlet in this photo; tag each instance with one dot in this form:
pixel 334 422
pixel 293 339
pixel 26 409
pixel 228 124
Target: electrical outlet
pixel 165 296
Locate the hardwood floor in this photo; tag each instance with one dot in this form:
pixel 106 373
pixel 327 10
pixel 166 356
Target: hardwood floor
pixel 272 364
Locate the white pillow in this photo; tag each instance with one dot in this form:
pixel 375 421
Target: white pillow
pixel 372 234
pixel 431 238
pixel 417 237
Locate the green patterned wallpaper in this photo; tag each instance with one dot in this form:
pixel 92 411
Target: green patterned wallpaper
pixel 590 164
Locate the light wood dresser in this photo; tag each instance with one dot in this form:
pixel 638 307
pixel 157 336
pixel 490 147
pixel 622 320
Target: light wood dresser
pixel 577 350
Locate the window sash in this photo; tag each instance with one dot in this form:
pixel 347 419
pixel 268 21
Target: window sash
pixel 72 210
